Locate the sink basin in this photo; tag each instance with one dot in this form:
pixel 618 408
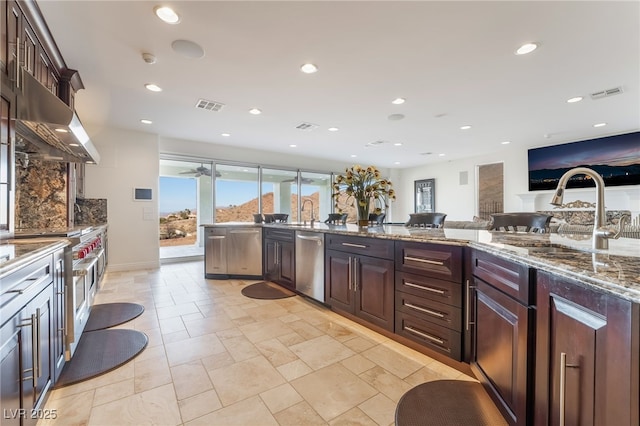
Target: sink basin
pixel 552 249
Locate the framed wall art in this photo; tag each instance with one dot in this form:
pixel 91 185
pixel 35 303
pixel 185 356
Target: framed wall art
pixel 425 195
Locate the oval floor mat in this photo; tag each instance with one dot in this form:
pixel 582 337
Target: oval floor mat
pixel 99 352
pixel 448 403
pixel 108 315
pixel 266 290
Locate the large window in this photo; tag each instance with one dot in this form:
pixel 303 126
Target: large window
pixel 184 204
pixel 280 192
pixel 237 193
pixel 224 192
pixel 316 187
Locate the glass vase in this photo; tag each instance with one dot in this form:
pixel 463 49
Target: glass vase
pixel 362 208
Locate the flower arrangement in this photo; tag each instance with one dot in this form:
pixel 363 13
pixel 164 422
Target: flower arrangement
pixel 359 186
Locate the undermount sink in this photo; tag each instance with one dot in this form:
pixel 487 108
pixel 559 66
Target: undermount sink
pixel 552 249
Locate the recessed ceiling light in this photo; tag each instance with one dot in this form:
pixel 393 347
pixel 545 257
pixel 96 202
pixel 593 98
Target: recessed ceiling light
pixel 225 134
pixel 61 130
pixel 255 111
pixel 397 144
pixel 308 68
pixel 153 87
pixel 333 129
pixel 465 127
pixel 599 124
pixel 167 14
pixel 353 156
pixel 145 121
pixel 526 48
pixel 505 142
pixel 396 162
pixel 574 100
pixel 293 145
pixel 441 155
pixel 398 101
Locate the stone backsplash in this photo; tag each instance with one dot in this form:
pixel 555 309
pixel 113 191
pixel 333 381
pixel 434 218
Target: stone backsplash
pixel 41 194
pixel 91 211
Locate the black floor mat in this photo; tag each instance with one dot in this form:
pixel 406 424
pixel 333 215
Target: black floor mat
pixel 266 290
pixel 111 314
pixel 99 352
pixel 447 403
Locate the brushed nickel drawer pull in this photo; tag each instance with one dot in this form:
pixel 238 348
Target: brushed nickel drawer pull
pixel 419 259
pixel 426 311
pixel 216 237
pixel 354 245
pixel 34 281
pixel 426 336
pixel 421 287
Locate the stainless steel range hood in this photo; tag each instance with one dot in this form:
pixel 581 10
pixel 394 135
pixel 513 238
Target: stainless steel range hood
pixel 51 128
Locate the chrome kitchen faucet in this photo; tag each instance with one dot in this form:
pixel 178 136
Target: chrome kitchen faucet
pixel 601 233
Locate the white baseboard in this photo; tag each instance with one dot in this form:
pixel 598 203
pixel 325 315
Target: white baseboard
pixel 120 267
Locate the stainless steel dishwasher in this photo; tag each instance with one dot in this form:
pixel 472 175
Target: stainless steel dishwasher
pixel 310 264
pixel 244 252
pixel 233 251
pixel 215 252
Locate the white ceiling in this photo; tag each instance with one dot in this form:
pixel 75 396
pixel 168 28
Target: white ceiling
pixel 454 63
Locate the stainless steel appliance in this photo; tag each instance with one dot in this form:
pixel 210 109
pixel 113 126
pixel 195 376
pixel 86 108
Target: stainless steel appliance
pixel 89 261
pixel 233 251
pixel 310 264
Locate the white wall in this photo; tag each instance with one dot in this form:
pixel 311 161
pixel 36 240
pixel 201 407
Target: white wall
pixel 128 160
pixel 459 202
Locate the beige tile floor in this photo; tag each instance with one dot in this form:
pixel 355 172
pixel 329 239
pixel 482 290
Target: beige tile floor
pixel 216 357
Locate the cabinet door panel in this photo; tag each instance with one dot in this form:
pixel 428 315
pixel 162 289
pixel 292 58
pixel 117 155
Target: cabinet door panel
pixel 500 350
pixel 374 291
pixel 287 264
pixel 270 266
pixel 339 293
pixel 574 334
pixel 599 333
pixel 10 373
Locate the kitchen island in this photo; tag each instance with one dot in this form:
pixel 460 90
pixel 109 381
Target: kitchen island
pixel 545 322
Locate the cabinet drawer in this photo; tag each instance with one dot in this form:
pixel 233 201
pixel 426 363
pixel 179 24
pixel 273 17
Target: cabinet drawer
pixel 432 260
pixel 279 234
pixel 433 336
pixel 429 310
pixel 431 288
pixel 361 245
pixel 507 276
pixel 21 286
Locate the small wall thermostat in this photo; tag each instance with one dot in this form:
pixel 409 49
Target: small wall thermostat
pixel 142 194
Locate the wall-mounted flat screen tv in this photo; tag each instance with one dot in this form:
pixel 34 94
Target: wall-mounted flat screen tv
pixel 615 158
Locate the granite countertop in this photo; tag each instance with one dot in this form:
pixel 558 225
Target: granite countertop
pixel 15 254
pixel 615 271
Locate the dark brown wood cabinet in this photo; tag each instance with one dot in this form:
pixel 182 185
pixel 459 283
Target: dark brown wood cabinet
pixel 428 296
pixel 587 363
pixel 358 284
pixel 502 333
pixel 279 256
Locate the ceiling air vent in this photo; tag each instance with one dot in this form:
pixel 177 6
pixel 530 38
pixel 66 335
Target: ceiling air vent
pixel 209 105
pixel 604 93
pixel 375 143
pixel 306 127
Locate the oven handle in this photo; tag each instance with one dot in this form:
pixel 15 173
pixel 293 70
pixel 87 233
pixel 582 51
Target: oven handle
pixel 83 268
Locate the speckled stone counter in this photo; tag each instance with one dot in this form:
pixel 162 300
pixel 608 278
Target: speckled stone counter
pixel 615 271
pixel 14 254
